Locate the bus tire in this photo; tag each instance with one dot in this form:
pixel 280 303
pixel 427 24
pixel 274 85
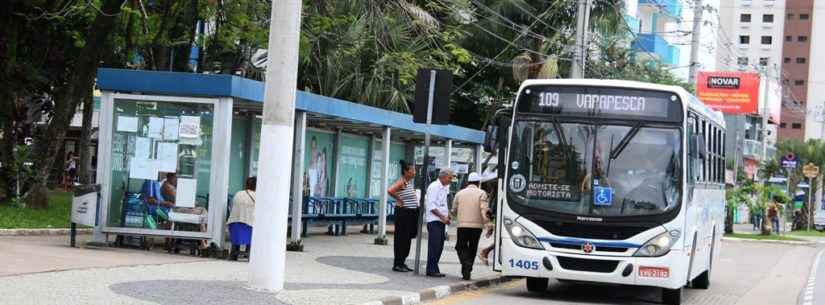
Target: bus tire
pixel 672 296
pixel 536 284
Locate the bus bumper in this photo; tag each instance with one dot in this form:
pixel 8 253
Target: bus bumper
pixel 668 271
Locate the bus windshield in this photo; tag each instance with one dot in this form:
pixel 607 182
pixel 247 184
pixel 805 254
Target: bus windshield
pixel 594 169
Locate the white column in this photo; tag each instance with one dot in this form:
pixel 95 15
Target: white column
pixel 386 140
pixel 298 180
pixel 104 164
pixel 448 153
pixel 336 166
pixel 266 265
pixel 219 179
pixel 478 159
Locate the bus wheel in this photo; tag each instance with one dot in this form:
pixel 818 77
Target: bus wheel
pixel 672 296
pixel 535 284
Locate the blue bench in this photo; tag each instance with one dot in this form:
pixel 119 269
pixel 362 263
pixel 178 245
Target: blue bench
pixel 339 212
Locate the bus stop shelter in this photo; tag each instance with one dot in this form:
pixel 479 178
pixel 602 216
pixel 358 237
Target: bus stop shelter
pixel 206 130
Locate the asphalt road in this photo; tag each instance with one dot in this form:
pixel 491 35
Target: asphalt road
pixel 747 273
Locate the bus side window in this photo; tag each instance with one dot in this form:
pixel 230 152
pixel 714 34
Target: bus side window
pixel 691 166
pixel 703 174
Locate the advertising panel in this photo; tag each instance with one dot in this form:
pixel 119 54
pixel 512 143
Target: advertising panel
pixel 729 92
pixel 318 160
pixel 352 182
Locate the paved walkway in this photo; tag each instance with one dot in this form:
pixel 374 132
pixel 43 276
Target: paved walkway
pixel 332 270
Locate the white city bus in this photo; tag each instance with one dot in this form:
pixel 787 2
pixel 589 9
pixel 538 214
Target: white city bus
pixel 609 181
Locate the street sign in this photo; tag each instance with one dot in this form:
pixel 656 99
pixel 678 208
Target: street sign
pixel 810 170
pixel 437 97
pixel 432 106
pixel 789 161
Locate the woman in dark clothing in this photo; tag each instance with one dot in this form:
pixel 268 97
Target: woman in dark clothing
pixel 406 215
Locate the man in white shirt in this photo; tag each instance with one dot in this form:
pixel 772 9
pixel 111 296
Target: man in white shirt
pixel 437 217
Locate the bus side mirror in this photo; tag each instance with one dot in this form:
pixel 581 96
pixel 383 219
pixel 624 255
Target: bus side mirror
pixel 491 138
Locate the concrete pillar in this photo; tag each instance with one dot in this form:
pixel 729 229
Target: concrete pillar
pixel 478 159
pixel 336 152
pixel 448 153
pixel 268 258
pixel 298 181
pixel 219 180
pixel 386 141
pixel 370 153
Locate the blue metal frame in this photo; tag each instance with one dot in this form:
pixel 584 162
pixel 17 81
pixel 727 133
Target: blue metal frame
pixel 221 85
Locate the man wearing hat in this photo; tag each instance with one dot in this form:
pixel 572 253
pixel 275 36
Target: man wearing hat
pixel 470 207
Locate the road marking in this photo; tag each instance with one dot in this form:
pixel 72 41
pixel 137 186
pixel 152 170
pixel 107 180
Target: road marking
pixel 808 297
pixel 468 296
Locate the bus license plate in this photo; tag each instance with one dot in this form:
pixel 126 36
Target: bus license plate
pixel 659 272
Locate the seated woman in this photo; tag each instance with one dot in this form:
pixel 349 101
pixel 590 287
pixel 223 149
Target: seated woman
pixel 169 191
pixel 242 216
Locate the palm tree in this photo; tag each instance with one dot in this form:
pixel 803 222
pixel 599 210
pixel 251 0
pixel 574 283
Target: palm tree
pixel 812 151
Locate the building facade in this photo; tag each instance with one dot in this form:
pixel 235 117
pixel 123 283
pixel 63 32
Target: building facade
pixel 750 38
pixel 655 25
pixel 796 51
pixel 814 81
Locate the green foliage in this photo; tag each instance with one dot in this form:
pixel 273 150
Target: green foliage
pixel 56 216
pixel 370 51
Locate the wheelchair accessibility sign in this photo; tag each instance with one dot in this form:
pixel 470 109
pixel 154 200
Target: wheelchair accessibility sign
pixel 602 196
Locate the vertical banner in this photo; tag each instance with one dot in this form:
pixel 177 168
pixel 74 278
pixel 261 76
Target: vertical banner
pixel 318 159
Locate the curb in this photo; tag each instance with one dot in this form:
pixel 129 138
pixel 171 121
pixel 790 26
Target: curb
pixel 41 232
pixel 785 242
pixel 440 292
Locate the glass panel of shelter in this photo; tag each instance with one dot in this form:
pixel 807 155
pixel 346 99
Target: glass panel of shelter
pixel 161 163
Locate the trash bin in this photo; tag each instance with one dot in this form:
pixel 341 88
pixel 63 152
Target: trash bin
pixel 85 206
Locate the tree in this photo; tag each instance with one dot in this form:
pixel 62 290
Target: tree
pixel 736 196
pixel 812 151
pixel 60 52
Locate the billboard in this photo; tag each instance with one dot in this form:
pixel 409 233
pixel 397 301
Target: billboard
pixel 729 92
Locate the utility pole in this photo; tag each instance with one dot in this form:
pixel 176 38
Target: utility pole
pixel 765 115
pixel 267 260
pixel 580 54
pixel 698 9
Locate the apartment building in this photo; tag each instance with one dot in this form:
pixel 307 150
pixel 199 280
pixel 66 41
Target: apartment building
pixel 655 24
pixel 750 38
pixel 796 51
pixel 814 81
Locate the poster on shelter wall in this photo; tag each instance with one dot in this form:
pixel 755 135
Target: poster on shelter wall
pixel 318 160
pixel 352 169
pixel 396 155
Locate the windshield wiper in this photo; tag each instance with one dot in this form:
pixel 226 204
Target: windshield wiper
pixel 626 140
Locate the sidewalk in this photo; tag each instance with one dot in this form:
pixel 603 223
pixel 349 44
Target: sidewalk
pixel 331 270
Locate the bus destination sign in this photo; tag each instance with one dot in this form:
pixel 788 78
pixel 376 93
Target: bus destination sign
pixel 604 102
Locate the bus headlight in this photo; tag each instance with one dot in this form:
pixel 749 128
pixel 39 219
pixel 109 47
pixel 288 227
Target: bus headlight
pixel 659 245
pixel 521 236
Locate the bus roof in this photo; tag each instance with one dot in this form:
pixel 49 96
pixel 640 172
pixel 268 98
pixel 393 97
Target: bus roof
pixel 688 99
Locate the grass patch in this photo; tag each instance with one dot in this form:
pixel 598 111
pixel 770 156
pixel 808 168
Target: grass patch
pixel 763 237
pixel 811 233
pixel 56 216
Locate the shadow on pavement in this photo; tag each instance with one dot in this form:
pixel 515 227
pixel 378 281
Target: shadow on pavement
pixel 184 292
